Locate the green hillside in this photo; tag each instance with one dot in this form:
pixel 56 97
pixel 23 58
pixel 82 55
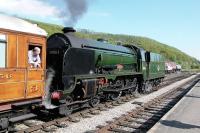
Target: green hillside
pixel 171 53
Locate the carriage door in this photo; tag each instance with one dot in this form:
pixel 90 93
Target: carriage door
pixel 35 73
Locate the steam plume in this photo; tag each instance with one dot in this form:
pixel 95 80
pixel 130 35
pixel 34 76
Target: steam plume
pixel 47 98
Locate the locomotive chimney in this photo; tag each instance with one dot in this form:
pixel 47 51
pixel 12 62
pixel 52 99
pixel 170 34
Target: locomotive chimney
pixel 68 30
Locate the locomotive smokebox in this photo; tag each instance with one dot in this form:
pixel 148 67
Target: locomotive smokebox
pixel 68 30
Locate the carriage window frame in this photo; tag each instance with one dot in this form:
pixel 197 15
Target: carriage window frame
pixel 30 47
pixel 3 55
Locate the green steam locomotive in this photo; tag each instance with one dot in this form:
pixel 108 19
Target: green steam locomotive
pixel 88 70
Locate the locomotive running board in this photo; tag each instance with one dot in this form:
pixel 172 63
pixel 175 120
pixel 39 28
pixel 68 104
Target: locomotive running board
pixel 22 117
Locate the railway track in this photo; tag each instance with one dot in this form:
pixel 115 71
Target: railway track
pixel 51 124
pixel 148 114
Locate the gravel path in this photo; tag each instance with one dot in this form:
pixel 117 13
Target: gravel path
pixel 87 124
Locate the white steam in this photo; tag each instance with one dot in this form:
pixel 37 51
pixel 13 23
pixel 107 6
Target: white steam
pixel 47 97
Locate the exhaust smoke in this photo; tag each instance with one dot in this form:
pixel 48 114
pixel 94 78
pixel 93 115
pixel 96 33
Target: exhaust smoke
pixel 76 8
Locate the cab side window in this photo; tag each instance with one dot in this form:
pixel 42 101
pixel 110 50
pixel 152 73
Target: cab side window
pixel 2 51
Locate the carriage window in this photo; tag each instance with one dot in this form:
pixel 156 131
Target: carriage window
pixel 35 56
pixel 2 51
pixel 2 55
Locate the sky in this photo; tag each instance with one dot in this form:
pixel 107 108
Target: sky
pixel 173 22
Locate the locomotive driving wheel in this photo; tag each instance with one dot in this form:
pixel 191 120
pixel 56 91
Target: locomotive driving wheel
pixel 94 101
pixel 115 95
pixel 66 109
pixel 147 87
pixel 133 90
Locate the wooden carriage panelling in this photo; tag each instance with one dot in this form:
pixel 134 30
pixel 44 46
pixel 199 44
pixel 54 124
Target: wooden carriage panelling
pixel 17 80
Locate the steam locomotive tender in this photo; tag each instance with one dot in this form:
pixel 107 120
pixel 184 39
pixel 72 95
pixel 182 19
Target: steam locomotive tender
pixel 88 70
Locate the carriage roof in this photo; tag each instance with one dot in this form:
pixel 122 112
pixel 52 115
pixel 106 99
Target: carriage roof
pixel 20 25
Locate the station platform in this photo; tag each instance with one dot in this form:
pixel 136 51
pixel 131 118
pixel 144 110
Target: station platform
pixel 184 117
